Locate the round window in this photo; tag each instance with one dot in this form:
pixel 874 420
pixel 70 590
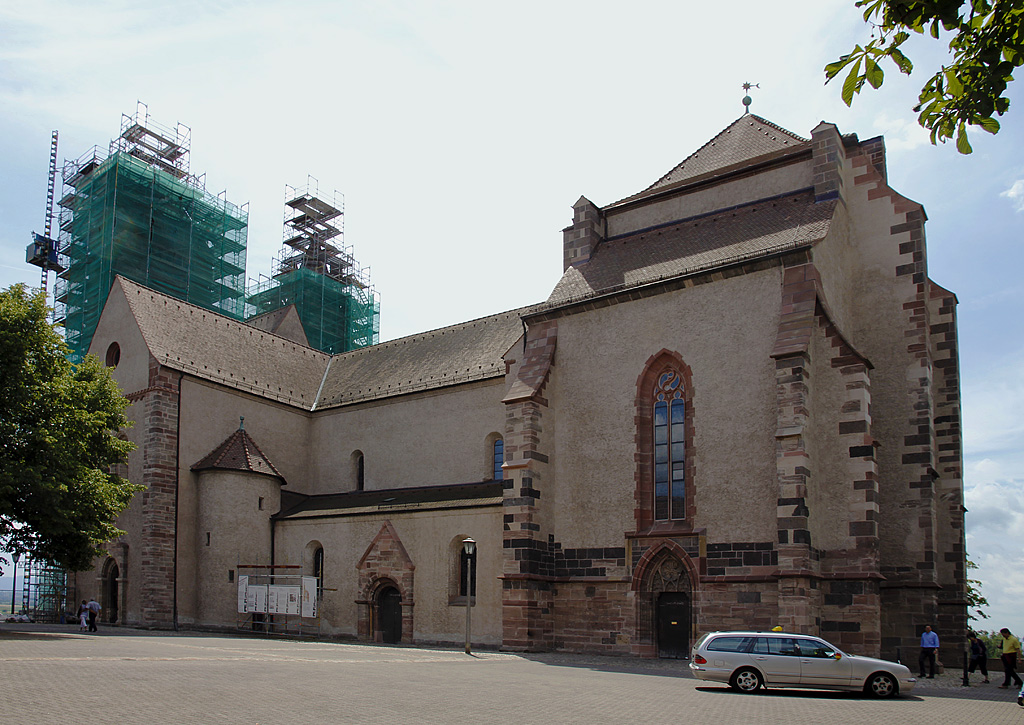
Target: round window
pixel 113 355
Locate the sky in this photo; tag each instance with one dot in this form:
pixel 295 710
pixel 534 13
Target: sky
pixel 460 134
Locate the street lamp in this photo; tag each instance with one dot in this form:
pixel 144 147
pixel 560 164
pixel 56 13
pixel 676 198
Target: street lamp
pixel 469 546
pixel 14 586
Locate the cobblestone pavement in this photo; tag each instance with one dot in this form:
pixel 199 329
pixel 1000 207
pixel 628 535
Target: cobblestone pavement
pixel 54 674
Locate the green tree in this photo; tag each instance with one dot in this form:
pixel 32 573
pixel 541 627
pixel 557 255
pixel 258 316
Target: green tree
pixel 59 427
pixel 986 43
pixel 975 600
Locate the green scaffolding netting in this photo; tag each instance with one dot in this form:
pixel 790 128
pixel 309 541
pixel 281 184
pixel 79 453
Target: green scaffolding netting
pixel 337 316
pixel 124 217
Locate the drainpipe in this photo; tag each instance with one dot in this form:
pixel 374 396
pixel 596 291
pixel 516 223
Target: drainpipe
pixel 177 484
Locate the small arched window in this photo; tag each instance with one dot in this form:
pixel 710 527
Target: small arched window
pixel 358 470
pixel 318 569
pixel 498 458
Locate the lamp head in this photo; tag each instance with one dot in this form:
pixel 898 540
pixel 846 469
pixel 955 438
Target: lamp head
pixel 469 546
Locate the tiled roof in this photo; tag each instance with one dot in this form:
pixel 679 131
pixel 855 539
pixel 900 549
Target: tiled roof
pixel 699 243
pixel 208 345
pixel 238 453
pixel 746 138
pixel 460 353
pixel 396 499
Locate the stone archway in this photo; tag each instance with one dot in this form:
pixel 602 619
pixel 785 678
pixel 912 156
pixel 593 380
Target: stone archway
pixel 110 595
pixel 385 565
pixel 664 583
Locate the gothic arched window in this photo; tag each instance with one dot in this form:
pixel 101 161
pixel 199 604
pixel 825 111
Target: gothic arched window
pixel 664 457
pixel 669 448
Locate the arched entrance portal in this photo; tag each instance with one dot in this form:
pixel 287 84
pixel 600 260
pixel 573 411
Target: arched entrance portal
pixel 389 615
pixel 111 593
pixel 665 610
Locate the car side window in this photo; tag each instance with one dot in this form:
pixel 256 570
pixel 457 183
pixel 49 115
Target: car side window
pixel 815 648
pixel 729 644
pixel 782 646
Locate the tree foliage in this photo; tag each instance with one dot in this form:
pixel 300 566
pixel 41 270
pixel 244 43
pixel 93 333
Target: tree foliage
pixel 59 442
pixel 986 43
pixel 975 600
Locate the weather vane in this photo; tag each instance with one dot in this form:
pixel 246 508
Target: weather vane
pixel 746 99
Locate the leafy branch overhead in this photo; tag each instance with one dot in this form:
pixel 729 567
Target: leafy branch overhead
pixel 986 43
pixel 60 441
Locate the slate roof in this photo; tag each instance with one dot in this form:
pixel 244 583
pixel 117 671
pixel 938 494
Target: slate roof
pixel 238 453
pixel 197 341
pixel 460 353
pixel 746 138
pixel 458 495
pixel 698 243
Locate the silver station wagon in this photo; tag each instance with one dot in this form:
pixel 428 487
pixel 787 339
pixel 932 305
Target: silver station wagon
pixel 751 660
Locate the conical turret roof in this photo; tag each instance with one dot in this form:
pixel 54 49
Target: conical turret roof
pixel 238 453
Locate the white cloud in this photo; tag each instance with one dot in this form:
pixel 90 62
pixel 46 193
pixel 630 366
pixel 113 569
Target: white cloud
pixel 901 134
pixel 1016 194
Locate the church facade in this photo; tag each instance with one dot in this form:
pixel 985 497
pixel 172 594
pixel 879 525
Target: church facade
pixel 738 409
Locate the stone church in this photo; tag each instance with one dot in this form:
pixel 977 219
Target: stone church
pixel 738 408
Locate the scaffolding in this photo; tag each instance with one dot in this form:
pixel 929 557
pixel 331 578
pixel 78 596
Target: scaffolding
pixel 316 272
pixel 138 212
pixel 46 593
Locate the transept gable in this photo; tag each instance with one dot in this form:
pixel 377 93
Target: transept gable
pixel 745 139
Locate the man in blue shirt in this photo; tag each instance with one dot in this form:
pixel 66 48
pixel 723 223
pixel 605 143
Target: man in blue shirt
pixel 929 648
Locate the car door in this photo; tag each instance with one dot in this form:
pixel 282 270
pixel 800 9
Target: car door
pixel 778 658
pixel 819 666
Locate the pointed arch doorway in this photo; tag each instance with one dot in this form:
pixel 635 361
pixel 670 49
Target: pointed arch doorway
pixel 111 592
pixel 666 613
pixel 389 613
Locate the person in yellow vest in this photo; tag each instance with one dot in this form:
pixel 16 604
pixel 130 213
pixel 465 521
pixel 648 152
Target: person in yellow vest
pixel 1010 655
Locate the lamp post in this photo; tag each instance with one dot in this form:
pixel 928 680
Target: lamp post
pixel 14 586
pixel 469 546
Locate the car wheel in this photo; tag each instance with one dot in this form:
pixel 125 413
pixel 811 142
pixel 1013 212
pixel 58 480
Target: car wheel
pixel 881 684
pixel 745 680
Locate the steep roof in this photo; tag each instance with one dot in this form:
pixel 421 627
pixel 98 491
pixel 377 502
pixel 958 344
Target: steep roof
pixel 238 453
pixel 208 345
pixel 460 353
pixel 746 138
pixel 699 243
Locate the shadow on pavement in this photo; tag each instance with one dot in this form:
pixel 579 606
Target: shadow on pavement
pixel 809 694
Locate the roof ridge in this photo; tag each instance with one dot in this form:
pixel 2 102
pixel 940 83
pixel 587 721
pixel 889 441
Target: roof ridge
pixel 132 283
pixel 426 333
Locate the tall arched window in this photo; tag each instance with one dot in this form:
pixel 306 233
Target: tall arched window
pixel 669 448
pixel 498 458
pixel 318 569
pixel 358 472
pixel 665 460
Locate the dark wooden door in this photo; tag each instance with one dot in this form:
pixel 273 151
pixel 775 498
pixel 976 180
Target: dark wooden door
pixel 673 625
pixel 391 615
pixel 112 593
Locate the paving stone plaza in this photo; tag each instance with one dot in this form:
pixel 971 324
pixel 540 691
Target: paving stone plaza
pixel 54 674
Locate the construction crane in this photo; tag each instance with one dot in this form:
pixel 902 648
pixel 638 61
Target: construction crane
pixel 42 252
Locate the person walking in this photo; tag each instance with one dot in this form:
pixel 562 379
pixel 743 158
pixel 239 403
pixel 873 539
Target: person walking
pixel 94 610
pixel 1010 655
pixel 83 617
pixel 929 648
pixel 979 656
